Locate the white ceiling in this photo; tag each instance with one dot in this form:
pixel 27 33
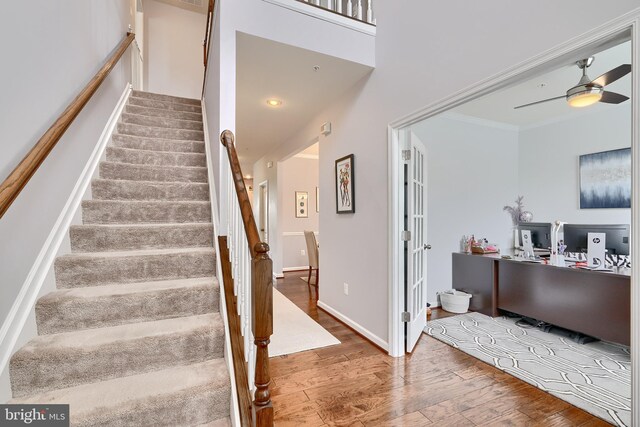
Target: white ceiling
pixel 498 106
pixel 311 152
pixel 199 6
pixel 267 69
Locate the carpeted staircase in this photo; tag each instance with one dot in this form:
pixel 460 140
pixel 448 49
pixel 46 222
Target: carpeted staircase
pixel 133 336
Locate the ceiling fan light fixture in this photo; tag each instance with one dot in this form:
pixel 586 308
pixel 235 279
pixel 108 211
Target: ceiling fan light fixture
pixel 585 96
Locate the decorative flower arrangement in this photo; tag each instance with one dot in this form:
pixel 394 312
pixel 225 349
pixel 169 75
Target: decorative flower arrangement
pixel 518 213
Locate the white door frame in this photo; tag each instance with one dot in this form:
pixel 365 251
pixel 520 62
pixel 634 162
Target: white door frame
pixel 607 34
pixel 263 205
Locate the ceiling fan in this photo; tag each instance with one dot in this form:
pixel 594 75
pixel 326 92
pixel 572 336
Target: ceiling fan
pixel 587 91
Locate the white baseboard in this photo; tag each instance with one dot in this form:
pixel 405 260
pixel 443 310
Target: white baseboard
pixel 26 299
pixel 356 326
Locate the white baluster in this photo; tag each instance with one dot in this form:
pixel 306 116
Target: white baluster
pixel 339 6
pixel 349 8
pixel 369 12
pixel 330 4
pixel 359 10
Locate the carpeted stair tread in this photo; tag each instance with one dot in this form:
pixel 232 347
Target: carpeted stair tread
pixel 161 122
pixel 131 172
pixel 118 237
pixel 68 359
pixel 222 422
pixel 181 396
pixel 144 211
pixel 133 335
pixel 165 98
pixel 119 189
pixel 155 158
pixel 106 268
pixel 156 144
pixel 97 307
pixel 164 105
pixel 158 132
pixel 157 112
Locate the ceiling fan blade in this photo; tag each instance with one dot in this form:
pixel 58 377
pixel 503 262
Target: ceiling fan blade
pixel 613 98
pixel 540 102
pixel 613 75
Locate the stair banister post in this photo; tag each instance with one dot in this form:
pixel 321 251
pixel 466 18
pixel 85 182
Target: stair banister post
pixel 349 8
pixel 369 12
pixel 359 10
pixel 339 6
pixel 262 302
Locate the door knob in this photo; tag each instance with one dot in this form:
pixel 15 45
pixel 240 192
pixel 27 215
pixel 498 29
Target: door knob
pixel 427 246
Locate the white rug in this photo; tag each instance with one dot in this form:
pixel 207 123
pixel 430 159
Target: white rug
pixel 294 331
pixel 595 377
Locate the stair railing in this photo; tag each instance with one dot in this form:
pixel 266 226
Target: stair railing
pixel 20 176
pixel 252 272
pixel 362 10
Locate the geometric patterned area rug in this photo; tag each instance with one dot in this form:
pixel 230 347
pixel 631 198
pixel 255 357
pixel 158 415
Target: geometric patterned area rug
pixel 595 377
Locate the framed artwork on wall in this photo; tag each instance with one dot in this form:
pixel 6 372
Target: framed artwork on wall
pixel 605 180
pixel 302 204
pixel 345 188
pixel 317 199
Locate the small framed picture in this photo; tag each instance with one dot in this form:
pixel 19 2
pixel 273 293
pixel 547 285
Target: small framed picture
pixel 302 204
pixel 317 199
pixel 345 188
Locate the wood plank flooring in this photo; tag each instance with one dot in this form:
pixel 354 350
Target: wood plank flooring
pixel 357 384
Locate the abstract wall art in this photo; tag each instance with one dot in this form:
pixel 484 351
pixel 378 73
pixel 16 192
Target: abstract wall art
pixel 605 179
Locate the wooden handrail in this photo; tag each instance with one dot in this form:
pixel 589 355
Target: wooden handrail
pixel 20 176
pixel 251 229
pixel 261 290
pixel 206 45
pixel 207 32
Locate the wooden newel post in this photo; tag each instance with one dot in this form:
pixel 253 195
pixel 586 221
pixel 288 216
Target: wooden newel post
pixel 262 301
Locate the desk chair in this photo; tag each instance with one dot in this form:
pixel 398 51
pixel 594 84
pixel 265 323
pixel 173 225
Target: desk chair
pixel 312 252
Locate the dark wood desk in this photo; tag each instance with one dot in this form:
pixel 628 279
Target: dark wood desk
pixel 591 302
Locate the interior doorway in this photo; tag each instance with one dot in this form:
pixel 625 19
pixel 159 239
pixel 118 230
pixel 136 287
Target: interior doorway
pixel 525 171
pixel 263 211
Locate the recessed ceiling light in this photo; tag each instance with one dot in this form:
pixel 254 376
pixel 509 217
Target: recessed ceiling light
pixel 274 102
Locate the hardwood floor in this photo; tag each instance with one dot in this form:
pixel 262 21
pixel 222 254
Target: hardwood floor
pixel 357 384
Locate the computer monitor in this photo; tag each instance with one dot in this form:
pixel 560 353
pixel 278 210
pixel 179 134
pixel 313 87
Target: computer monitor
pixel 616 243
pixel 540 233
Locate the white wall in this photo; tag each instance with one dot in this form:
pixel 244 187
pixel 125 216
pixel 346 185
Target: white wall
pixel 263 19
pixel 60 47
pixel 421 57
pixel 173 50
pixel 549 164
pixel 472 172
pixel 296 174
pixel 423 54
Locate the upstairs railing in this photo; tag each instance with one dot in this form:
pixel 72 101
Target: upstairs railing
pixel 20 176
pixel 252 272
pixel 362 10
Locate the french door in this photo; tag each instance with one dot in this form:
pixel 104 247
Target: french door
pixel 416 245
